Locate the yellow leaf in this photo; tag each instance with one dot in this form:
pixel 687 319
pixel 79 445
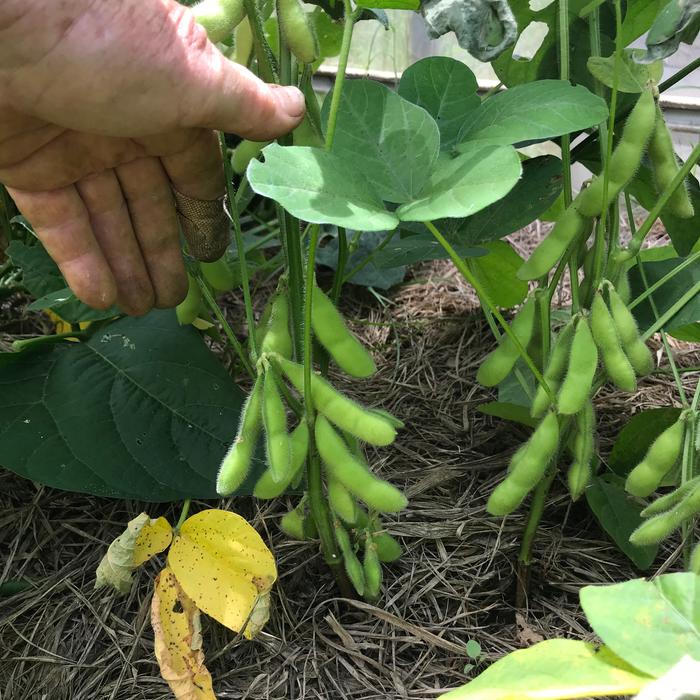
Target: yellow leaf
pixel 63 326
pixel 142 539
pixel 178 640
pixel 223 565
pixel 154 538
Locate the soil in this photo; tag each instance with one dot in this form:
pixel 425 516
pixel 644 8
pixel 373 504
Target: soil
pixel 62 640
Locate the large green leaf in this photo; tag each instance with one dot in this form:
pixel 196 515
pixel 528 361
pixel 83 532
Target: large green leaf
pixel 619 515
pixel 393 143
pixel 497 274
pixel 446 89
pixel 630 76
pixel 634 439
pixel 668 294
pixel 142 409
pixel 464 185
pixel 534 112
pixel 649 624
pixel 556 668
pixel 319 187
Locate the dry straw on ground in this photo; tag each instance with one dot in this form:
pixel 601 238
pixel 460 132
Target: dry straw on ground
pixel 61 640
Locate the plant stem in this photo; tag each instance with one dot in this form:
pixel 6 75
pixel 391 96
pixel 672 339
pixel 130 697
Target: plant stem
pixel 690 260
pixel 266 61
pixel 348 27
pixel 317 501
pixel 339 276
pixel 671 312
pixel 25 344
pixel 564 74
pixel 230 335
pixel 596 50
pixel 483 296
pixel 240 247
pixel 679 75
pixel 183 515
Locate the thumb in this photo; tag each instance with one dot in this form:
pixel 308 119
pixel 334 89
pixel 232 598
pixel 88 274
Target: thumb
pixel 228 97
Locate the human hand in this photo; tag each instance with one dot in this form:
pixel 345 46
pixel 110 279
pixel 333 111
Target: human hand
pixel 105 109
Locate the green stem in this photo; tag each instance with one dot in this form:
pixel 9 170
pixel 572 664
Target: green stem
pixel 690 260
pixel 266 60
pixel 596 50
pixel 240 246
pixel 485 300
pixel 679 75
pixel 20 345
pixel 670 313
pixel 339 276
pixel 183 515
pixel 348 27
pixel 564 74
pixel 534 517
pixel 230 335
pixel 317 501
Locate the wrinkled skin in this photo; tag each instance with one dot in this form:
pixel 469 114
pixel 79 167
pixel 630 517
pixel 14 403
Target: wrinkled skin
pixel 104 108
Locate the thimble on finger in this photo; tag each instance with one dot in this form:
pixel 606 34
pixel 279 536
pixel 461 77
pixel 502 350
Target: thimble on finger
pixel 205 225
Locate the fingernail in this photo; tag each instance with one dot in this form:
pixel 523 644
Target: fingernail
pixel 290 99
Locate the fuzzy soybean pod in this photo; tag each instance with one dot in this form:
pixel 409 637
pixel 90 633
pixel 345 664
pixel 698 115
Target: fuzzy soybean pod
pixel 499 363
pixel 266 487
pixel 341 501
pixel 372 569
pixel 555 370
pixel 277 337
pixel 353 474
pixel 188 309
pixel 671 500
pixel 617 365
pixel 579 473
pixel 330 330
pixel 665 167
pixel 661 526
pixel 277 443
pixel 219 17
pixel 527 467
pixel 570 227
pixel 695 560
pixel 219 275
pixel 388 548
pixel 633 346
pixel 236 464
pixel 658 461
pixel 297 32
pixel 353 567
pixel 624 161
pixel 583 361
pixel 348 415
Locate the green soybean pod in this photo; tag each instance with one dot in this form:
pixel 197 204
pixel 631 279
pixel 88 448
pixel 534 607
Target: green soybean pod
pixel 277 443
pixel 353 567
pixel 242 43
pixel 661 526
pixel 244 152
pixel 219 275
pixel 505 498
pixel 555 370
pixel 624 161
pixel 617 365
pixel 277 337
pixel 330 330
pixel 665 167
pixel 372 569
pixel 388 548
pixel 188 309
pixel 348 415
pixel 658 461
pixel 569 227
pixel 292 524
pixel 297 32
pixel 266 487
pixel 499 363
pixel 695 560
pixel 670 500
pixel 633 346
pixel 219 17
pixel 236 464
pixel 341 501
pixel 583 361
pixel 353 474
pixel 579 472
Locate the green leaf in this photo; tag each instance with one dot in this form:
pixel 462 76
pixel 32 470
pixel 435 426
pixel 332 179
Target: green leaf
pixel 649 624
pixel 634 439
pixel 534 112
pixel 464 185
pixel 391 142
pixel 319 187
pixel 473 649
pixel 509 411
pixel 328 33
pixel 678 21
pixel 667 295
pixel 43 280
pixel 639 16
pixel 371 275
pixel 619 515
pixel 407 250
pixel 535 192
pixel 446 89
pixel 631 76
pixel 556 668
pixel 142 410
pixel 497 274
pixel 690 333
pixel 390 4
